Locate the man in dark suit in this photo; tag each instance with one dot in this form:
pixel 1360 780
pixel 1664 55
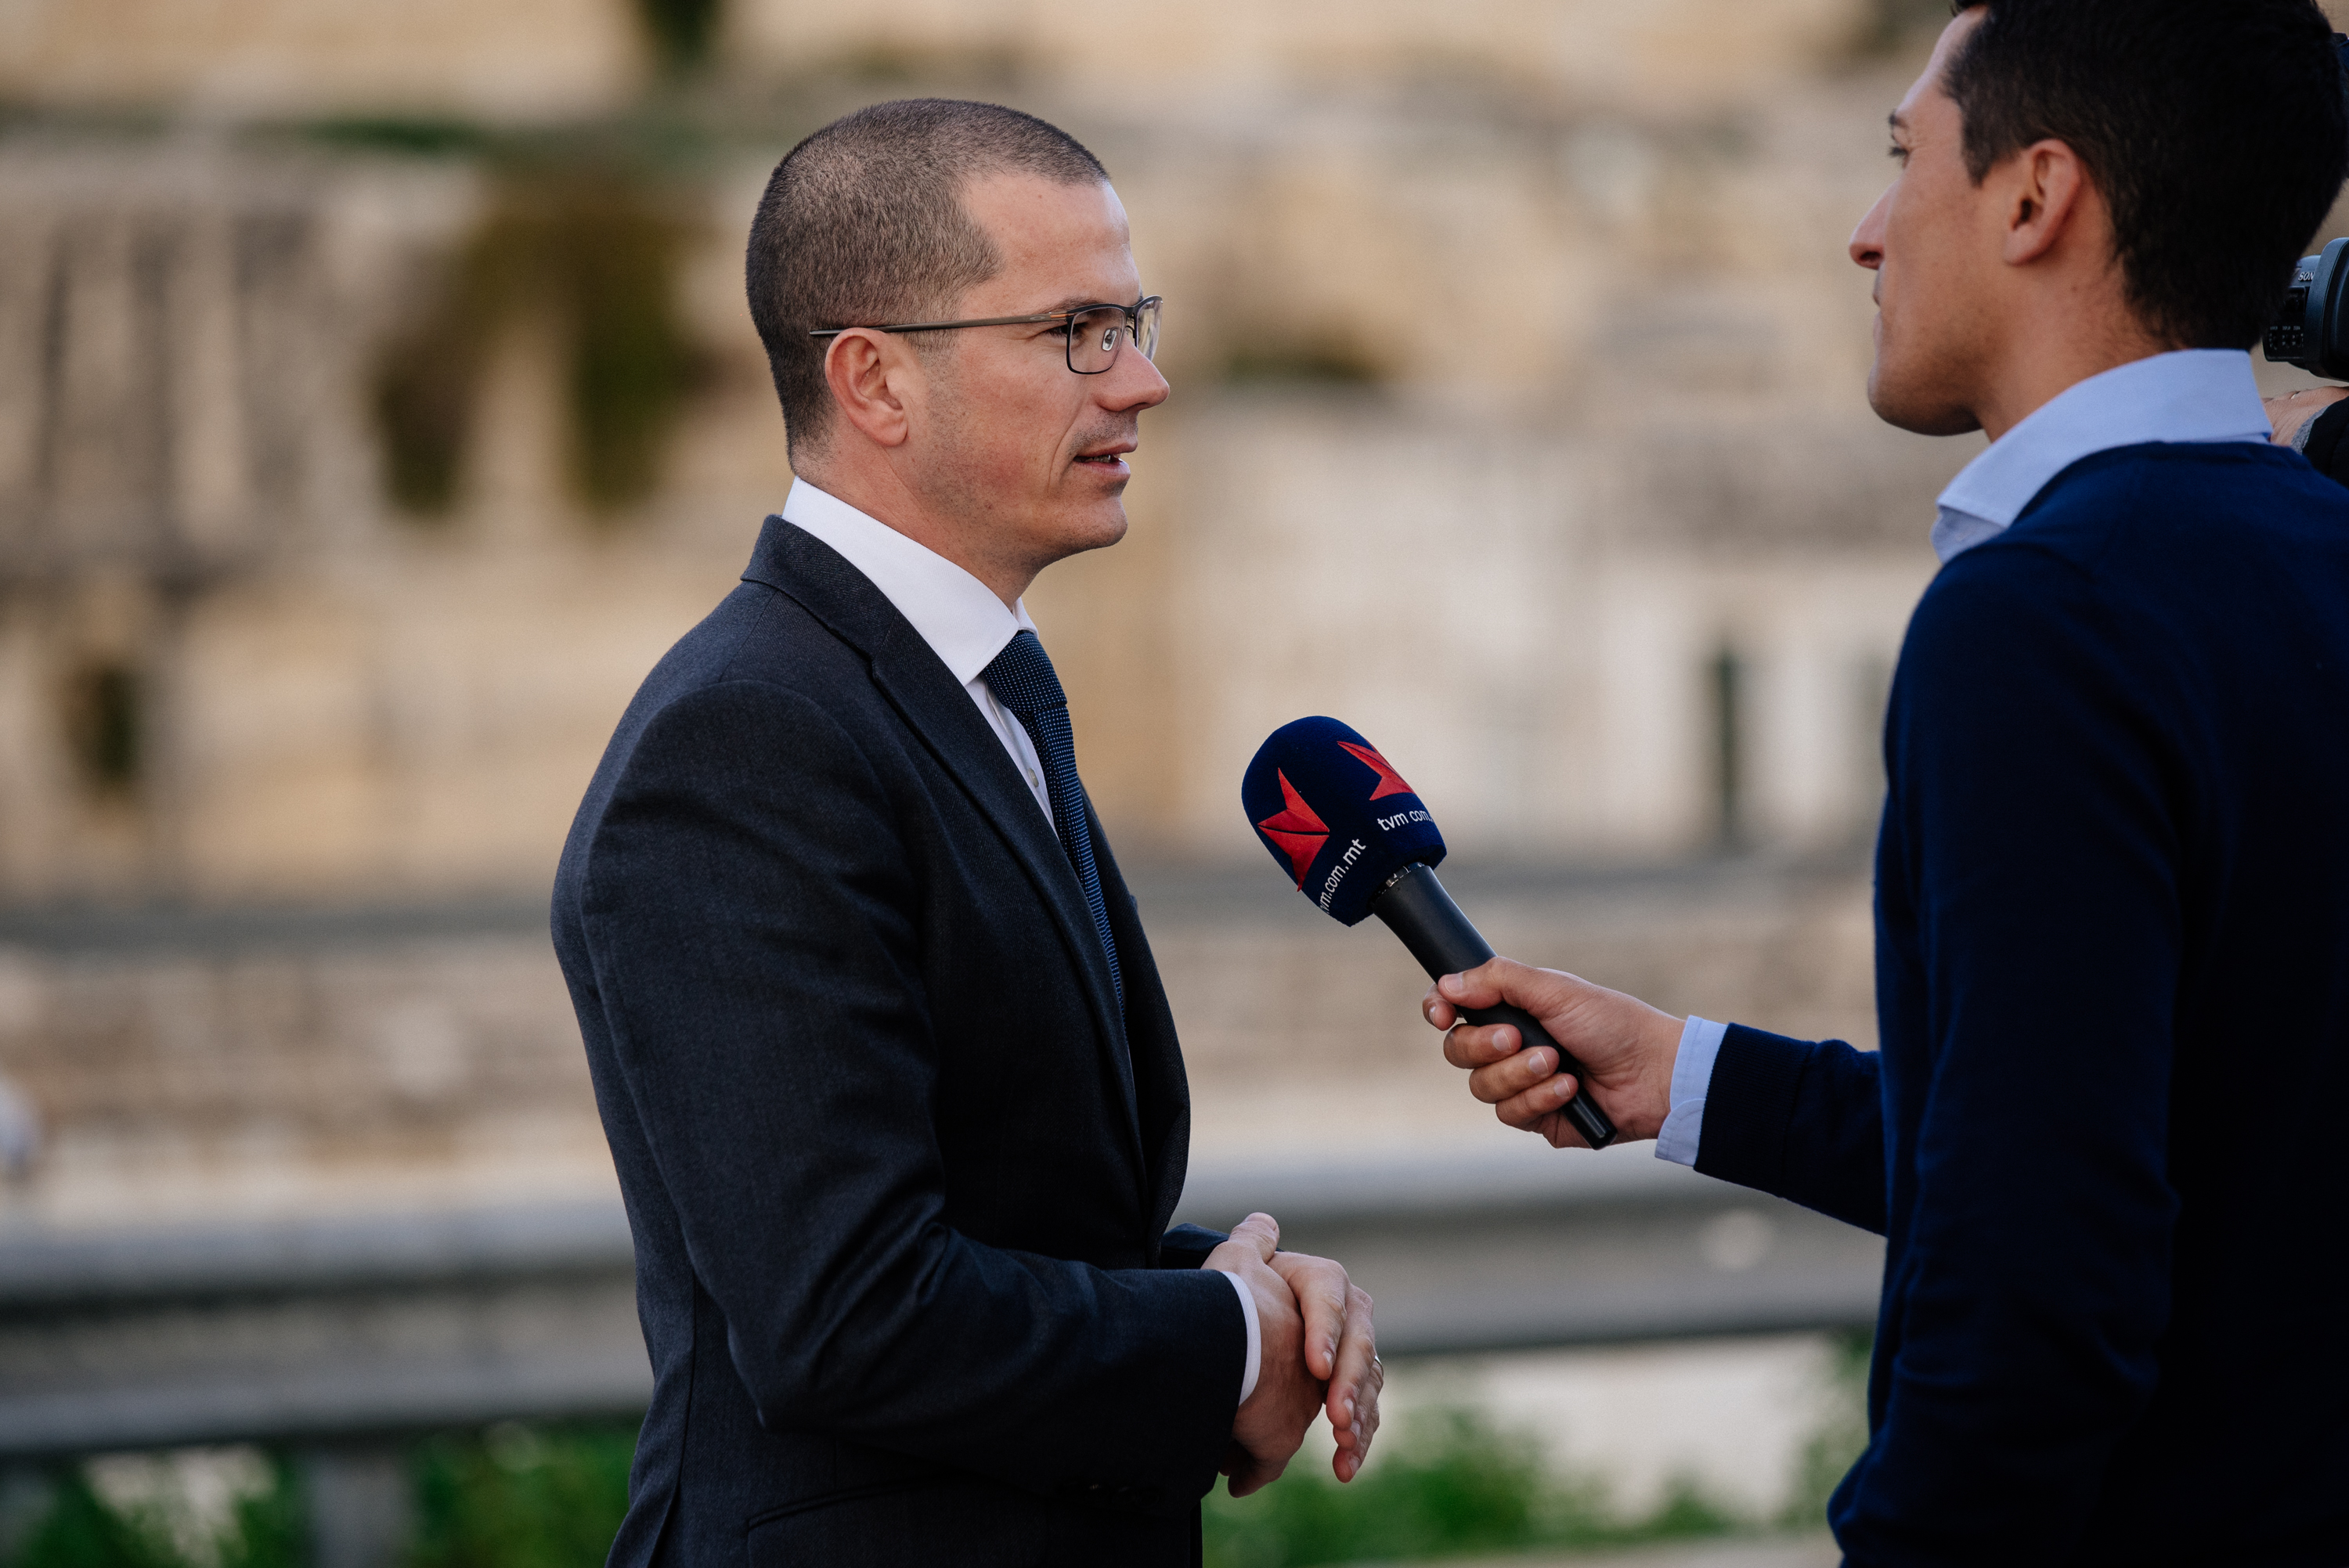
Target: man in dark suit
pixel 2113 876
pixel 889 1078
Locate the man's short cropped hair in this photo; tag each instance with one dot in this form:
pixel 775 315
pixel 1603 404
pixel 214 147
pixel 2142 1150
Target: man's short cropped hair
pixel 863 223
pixel 2216 132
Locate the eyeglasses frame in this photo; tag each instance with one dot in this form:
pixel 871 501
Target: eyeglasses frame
pixel 1068 318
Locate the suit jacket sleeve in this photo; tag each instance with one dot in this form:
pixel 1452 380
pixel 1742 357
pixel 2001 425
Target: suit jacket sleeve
pixel 1802 1118
pixel 2038 938
pixel 750 922
pixel 1187 1246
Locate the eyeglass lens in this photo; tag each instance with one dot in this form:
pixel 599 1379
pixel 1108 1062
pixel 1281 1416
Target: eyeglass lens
pixel 1095 336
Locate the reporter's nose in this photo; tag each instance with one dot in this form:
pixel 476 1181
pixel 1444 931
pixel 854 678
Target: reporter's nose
pixel 1867 246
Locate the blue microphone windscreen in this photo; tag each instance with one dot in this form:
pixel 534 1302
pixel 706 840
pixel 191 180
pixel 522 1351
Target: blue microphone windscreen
pixel 1338 818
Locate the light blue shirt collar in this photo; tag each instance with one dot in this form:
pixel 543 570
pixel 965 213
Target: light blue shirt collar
pixel 2191 395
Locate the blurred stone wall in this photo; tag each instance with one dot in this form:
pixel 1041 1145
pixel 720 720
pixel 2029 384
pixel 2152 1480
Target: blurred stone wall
pixel 201 1067
pixel 1505 417
pixel 234 59
pixel 1517 420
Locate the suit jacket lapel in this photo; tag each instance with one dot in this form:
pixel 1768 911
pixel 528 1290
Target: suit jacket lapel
pixel 936 708
pixel 1162 1088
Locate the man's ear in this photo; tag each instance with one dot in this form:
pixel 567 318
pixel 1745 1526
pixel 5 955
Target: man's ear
pixel 2047 188
pixel 874 376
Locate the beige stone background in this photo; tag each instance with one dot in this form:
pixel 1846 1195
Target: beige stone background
pixel 1517 420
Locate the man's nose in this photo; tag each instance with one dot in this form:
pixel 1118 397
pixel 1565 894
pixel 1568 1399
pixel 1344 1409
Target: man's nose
pixel 1134 382
pixel 1867 247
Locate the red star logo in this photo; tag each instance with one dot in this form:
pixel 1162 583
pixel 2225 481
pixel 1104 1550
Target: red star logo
pixel 1390 781
pixel 1300 833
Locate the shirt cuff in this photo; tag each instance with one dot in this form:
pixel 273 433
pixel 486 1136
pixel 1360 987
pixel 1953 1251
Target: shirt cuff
pixel 1254 1335
pixel 1684 1129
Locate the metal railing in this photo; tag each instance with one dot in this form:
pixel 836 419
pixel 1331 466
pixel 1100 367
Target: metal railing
pixel 370 1326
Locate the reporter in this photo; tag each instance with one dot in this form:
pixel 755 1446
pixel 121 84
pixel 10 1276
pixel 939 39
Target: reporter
pixel 2113 874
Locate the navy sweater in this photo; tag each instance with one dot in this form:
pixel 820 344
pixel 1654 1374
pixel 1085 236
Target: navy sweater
pixel 2102 1135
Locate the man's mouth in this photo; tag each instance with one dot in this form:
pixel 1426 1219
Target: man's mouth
pixel 1109 457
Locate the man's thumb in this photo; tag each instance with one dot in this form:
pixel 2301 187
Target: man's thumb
pixel 1261 1231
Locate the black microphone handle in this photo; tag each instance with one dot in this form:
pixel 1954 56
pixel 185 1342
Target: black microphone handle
pixel 1416 907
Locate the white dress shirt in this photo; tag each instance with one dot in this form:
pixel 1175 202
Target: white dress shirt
pixel 966 625
pixel 959 616
pixel 2192 394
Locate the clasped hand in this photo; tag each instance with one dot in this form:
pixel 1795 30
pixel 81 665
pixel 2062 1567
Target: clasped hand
pixel 1316 1352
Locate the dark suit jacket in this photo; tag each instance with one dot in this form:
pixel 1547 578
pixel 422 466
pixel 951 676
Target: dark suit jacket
pixel 2103 1134
pixel 898 1173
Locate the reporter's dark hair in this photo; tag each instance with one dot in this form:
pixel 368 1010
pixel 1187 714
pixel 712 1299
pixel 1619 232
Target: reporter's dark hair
pixel 2217 133
pixel 863 223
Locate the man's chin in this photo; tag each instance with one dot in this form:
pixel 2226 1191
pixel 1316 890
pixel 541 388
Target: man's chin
pixel 1923 411
pixel 1096 527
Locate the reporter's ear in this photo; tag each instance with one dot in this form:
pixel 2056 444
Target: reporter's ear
pixel 2048 187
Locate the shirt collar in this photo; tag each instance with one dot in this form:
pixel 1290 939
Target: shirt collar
pixel 959 616
pixel 2190 394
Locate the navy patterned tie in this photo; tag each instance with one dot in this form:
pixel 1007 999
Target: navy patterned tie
pixel 1022 680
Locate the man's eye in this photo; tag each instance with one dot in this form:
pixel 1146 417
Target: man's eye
pixel 1896 152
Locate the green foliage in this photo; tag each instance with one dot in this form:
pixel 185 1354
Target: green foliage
pixel 1841 1436
pixel 681 30
pixel 518 1497
pixel 82 1530
pixel 524 1497
pixel 1454 1485
pixel 270 1530
pixel 424 394
pixel 411 138
pixel 591 254
pixel 630 365
pixel 1320 360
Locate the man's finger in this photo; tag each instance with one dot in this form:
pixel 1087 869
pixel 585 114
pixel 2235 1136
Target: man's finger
pixel 1473 989
pixel 1261 1231
pixel 1526 1111
pixel 1320 1286
pixel 1353 1449
pixel 1512 1076
pixel 1353 1401
pixel 1437 1010
pixel 1539 992
pixel 1475 1045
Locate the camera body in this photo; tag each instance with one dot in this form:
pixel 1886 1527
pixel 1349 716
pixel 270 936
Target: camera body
pixel 2308 330
pixel 2312 327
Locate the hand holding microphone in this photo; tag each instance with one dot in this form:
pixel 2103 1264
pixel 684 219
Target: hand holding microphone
pixel 1358 841
pixel 1625 1048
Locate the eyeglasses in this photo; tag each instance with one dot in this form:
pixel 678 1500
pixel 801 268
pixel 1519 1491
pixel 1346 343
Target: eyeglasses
pixel 1095 332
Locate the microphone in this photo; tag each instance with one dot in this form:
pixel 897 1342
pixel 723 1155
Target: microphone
pixel 1359 842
